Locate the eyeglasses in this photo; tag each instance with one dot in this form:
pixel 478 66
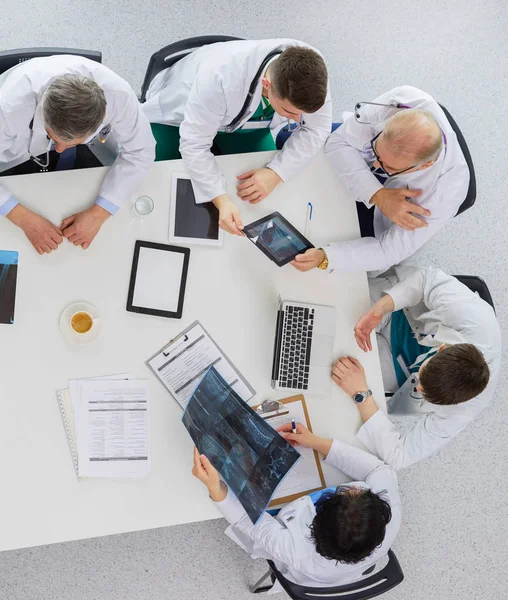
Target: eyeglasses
pixel 381 165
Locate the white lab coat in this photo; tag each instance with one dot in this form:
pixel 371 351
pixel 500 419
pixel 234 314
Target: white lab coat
pixel 440 310
pixel 204 92
pixel 285 539
pixel 444 184
pixel 21 92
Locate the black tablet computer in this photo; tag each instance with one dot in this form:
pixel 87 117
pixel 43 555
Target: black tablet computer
pixel 277 238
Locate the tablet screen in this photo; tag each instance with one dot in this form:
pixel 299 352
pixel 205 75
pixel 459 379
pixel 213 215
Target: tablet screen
pixel 158 279
pixel 277 238
pixel 8 275
pixel 198 221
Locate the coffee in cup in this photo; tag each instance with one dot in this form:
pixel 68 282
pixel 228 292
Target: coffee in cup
pixel 81 322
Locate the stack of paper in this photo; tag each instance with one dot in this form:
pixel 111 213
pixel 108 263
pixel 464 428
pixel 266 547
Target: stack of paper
pixel 106 423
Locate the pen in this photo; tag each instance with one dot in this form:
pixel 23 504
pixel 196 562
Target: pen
pixel 309 217
pixel 293 426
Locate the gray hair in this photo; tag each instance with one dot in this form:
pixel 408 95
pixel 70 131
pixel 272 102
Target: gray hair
pixel 73 107
pixel 415 134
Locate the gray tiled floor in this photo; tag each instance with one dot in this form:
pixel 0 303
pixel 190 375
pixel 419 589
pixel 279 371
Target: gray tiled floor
pixel 453 544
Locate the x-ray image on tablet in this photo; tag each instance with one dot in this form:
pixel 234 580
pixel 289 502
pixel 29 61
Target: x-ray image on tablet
pixel 277 238
pixel 191 223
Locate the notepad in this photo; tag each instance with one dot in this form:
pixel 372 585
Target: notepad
pixel 306 476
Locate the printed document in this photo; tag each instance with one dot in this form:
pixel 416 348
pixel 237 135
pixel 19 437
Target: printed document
pixel 184 361
pixel 112 427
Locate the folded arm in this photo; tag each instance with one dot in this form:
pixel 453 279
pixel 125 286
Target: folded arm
pixel 304 144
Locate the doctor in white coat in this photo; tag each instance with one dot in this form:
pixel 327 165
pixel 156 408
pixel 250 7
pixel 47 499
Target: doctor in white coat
pixel 311 541
pixel 240 86
pixel 56 103
pixel 440 350
pixel 401 160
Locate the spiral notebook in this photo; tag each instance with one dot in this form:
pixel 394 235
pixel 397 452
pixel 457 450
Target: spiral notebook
pixel 65 406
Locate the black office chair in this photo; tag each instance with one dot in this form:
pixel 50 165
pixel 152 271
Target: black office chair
pixel 471 191
pixel 477 285
pixel 11 58
pixel 370 587
pixel 169 55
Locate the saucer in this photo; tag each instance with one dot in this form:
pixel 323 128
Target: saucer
pixel 65 323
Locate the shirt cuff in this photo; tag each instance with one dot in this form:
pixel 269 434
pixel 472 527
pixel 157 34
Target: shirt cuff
pixel 368 189
pixel 7 206
pixel 373 427
pixel 332 258
pixel 397 294
pixel 107 205
pixel 276 167
pixel 230 508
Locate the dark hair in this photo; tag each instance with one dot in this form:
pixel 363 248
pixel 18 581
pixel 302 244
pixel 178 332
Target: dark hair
pixel 349 524
pixel 299 76
pixel 454 375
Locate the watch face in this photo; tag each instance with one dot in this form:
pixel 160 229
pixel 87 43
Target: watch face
pixel 358 398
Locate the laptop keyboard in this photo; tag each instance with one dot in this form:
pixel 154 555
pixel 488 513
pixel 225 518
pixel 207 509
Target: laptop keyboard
pixel 295 348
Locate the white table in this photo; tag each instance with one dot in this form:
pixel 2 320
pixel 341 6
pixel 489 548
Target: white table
pixel 232 290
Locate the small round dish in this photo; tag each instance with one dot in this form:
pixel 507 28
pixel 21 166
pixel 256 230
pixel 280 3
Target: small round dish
pixel 65 323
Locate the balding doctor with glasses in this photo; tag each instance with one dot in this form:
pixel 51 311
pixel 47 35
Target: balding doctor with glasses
pixel 401 160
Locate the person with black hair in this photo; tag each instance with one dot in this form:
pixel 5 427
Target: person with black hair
pixel 327 538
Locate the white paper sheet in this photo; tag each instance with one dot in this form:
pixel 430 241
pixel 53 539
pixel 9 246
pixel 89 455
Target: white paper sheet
pixel 112 428
pixel 304 476
pixel 181 364
pixel 158 279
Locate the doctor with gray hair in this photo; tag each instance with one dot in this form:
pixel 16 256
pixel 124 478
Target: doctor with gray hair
pixel 52 110
pixel 401 160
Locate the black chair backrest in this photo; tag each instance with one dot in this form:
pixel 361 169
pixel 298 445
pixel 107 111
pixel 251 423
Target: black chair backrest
pixel 471 191
pixel 476 284
pixel 169 55
pixel 11 58
pixel 369 587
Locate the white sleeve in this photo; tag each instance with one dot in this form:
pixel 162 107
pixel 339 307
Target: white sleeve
pixel 353 462
pixel 204 112
pixel 436 289
pixel 400 450
pixel 395 244
pixel 343 151
pixel 304 144
pixel 7 138
pixel 136 144
pixel 268 533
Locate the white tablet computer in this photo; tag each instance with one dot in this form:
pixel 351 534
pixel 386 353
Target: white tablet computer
pixel 191 223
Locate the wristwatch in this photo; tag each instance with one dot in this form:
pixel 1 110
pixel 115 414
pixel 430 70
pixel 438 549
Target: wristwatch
pixel 324 263
pixel 359 397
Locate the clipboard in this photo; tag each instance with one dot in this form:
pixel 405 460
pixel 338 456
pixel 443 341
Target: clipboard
pixel 158 279
pixel 270 409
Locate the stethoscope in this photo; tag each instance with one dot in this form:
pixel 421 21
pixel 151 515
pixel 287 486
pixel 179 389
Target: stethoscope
pixel 398 106
pixel 102 136
pixel 359 105
pixel 252 90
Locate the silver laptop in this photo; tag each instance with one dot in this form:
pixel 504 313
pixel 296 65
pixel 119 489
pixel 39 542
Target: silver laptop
pixel 302 355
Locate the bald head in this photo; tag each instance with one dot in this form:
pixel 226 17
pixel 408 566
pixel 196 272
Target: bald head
pixel 413 134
